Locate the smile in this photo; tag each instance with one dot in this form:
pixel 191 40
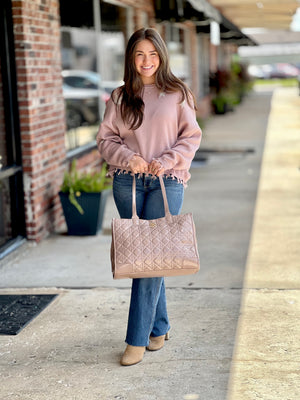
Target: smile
pixel 147 68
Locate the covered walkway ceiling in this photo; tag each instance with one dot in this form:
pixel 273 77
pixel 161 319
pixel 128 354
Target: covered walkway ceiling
pixel 269 14
pixel 201 13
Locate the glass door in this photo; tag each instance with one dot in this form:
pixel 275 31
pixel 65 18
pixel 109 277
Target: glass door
pixel 12 217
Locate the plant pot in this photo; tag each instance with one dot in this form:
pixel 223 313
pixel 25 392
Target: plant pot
pixel 220 109
pixel 89 223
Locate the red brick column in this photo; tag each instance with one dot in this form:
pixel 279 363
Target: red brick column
pixel 41 106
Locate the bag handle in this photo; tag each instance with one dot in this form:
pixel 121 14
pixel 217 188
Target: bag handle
pixel 164 194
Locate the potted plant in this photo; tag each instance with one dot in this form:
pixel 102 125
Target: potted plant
pixel 83 198
pixel 220 104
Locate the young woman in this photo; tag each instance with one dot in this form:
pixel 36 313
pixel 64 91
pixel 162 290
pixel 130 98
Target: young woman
pixel 149 129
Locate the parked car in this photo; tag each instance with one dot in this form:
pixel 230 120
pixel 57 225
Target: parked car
pixel 283 71
pixel 84 96
pixel 109 86
pixel 273 71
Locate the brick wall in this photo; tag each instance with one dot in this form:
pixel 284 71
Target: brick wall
pixel 41 107
pixel 213 58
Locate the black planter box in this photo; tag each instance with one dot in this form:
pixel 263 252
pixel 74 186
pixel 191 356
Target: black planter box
pixel 221 110
pixel 93 205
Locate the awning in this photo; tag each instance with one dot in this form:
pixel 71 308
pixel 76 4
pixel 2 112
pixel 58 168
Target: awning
pixel 231 33
pixel 207 9
pixel 201 13
pixel 182 10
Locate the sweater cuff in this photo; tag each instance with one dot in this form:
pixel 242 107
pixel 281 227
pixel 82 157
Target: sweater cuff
pixel 165 163
pixel 127 157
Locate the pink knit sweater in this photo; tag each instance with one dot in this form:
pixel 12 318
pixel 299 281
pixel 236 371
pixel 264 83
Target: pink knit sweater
pixel 169 133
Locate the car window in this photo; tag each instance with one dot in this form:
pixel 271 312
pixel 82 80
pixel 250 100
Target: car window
pixel 79 82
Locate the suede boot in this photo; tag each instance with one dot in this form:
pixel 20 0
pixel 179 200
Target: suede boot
pixel 156 343
pixel 132 355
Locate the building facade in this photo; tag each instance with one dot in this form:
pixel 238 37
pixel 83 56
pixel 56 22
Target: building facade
pixel 59 62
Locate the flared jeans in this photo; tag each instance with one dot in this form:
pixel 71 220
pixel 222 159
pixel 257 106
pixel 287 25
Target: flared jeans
pixel 148 307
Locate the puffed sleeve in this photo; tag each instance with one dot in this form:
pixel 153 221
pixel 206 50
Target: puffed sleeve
pixel 109 142
pixel 181 154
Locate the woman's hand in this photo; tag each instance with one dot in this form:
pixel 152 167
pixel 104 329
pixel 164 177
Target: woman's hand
pixel 155 168
pixel 138 165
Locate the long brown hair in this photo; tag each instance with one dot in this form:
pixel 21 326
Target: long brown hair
pixel 130 95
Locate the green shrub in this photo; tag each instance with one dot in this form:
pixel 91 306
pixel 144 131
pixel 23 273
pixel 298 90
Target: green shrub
pixel 76 182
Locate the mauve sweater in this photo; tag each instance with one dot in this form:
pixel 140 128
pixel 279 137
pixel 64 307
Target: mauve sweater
pixel 169 134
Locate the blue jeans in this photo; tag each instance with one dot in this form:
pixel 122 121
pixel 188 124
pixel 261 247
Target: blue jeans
pixel 148 307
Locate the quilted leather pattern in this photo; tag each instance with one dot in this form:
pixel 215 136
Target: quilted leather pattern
pixel 160 247
pixel 151 248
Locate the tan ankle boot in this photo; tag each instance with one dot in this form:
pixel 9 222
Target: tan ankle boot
pixel 156 343
pixel 132 355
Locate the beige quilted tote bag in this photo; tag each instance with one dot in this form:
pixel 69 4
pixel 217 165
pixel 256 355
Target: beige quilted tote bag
pixel 151 248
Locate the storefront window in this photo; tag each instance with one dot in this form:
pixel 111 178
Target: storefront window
pixel 3 160
pixel 12 218
pixel 5 211
pixel 84 97
pixel 92 64
pixel 178 52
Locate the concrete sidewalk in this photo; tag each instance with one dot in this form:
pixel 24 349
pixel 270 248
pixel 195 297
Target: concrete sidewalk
pixel 266 362
pixel 72 349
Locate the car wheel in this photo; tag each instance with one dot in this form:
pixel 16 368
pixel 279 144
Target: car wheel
pixel 73 118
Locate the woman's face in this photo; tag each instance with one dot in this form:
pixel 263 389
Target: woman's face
pixel 146 61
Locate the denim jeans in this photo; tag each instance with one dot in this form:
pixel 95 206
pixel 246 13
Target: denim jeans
pixel 148 307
